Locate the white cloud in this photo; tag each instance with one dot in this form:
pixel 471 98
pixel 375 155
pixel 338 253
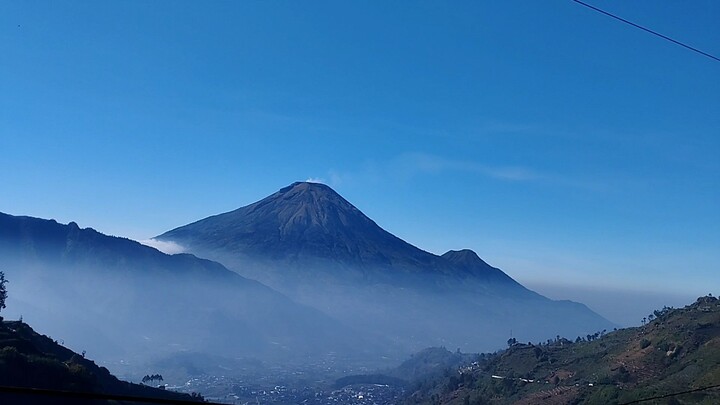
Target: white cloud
pixel 167 247
pixel 315 180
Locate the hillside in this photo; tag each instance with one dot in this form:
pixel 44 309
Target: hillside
pixel 677 351
pixel 311 244
pixel 425 364
pixel 31 360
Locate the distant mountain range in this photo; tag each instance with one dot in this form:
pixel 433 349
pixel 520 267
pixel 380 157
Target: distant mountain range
pixel 124 301
pixel 311 244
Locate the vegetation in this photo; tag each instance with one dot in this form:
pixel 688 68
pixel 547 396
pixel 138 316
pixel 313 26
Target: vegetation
pixel 3 290
pixel 150 378
pixel 676 350
pixel 30 360
pixel 429 363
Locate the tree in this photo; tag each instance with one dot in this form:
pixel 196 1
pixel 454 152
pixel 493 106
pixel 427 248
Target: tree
pixel 3 290
pixel 153 377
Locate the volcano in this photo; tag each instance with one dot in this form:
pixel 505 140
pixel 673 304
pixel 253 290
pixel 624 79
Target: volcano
pixel 313 245
pixel 300 222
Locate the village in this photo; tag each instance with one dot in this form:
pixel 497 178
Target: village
pixel 230 390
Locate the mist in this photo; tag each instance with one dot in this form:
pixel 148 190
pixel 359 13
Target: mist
pixel 134 309
pixel 168 247
pixel 625 307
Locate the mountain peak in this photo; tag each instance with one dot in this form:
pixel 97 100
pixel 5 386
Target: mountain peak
pixel 464 257
pixel 304 205
pixel 300 186
pixel 302 220
pixel 468 261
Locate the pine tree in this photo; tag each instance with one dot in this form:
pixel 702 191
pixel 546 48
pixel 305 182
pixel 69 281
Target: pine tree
pixel 3 290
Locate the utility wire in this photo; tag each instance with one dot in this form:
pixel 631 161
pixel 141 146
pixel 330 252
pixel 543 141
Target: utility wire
pixel 648 30
pixel 637 401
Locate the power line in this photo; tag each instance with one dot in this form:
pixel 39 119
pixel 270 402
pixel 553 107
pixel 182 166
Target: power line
pixel 637 401
pixel 648 30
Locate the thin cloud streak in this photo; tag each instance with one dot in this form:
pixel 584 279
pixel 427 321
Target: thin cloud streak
pixel 411 164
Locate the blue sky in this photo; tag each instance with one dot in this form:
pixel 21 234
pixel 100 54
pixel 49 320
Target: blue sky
pixel 562 146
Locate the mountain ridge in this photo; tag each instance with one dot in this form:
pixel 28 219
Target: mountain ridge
pixel 98 284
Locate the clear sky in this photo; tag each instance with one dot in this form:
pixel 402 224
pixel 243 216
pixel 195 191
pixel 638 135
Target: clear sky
pixel 561 145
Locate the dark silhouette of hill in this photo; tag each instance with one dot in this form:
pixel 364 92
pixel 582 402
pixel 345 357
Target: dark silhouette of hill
pixel 310 243
pixel 678 350
pixel 31 360
pixel 121 300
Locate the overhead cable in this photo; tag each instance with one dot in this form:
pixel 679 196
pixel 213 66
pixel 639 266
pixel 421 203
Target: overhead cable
pixel 665 37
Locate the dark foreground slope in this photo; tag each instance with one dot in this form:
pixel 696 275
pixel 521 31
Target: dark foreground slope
pixel 678 351
pixel 121 300
pixel 310 243
pixel 30 360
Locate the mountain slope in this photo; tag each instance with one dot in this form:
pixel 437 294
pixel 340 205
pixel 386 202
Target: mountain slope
pixel 310 243
pixel 677 351
pixel 121 300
